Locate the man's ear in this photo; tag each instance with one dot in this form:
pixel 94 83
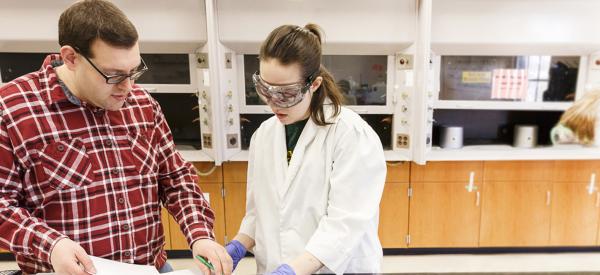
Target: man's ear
pixel 316 84
pixel 69 57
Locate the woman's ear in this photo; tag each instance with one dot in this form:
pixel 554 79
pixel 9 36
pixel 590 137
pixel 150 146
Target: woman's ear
pixel 69 57
pixel 316 84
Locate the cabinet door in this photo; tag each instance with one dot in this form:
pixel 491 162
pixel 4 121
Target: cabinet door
pixel 214 192
pixel 165 219
pixel 235 207
pixel 444 214
pixel 574 214
pixel 393 215
pixel 515 213
pixel 234 177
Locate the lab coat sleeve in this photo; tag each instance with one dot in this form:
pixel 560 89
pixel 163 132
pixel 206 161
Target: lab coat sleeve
pixel 357 179
pixel 248 226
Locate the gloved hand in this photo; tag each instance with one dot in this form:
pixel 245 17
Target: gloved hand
pixel 237 251
pixel 283 269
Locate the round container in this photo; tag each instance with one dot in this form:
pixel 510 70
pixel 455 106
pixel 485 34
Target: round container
pixel 525 136
pixel 451 137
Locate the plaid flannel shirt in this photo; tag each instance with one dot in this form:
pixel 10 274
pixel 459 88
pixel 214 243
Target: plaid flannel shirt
pixel 97 177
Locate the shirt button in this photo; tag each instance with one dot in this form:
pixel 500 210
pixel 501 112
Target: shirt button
pixel 115 171
pixel 60 148
pixel 127 254
pixel 121 200
pixel 126 227
pixel 108 143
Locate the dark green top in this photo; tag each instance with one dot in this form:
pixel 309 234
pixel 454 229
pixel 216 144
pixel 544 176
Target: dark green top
pixel 292 134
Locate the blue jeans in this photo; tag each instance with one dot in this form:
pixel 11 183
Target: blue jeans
pixel 165 268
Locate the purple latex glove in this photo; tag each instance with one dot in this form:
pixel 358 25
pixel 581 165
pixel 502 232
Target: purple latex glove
pixel 283 269
pixel 237 251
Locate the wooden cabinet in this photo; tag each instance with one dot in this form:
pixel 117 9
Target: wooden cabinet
pixel 393 212
pixel 574 215
pixel 446 171
pixel 166 224
pixel 575 203
pixel 234 177
pixel 445 204
pixel 516 204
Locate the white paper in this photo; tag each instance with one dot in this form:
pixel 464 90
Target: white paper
pixel 110 267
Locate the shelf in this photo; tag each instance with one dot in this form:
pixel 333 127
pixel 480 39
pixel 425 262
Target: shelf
pixel 507 152
pixel 501 105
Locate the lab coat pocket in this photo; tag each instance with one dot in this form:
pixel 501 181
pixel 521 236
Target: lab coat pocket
pixel 65 165
pixel 142 152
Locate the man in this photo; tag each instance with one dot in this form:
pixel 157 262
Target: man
pixel 87 158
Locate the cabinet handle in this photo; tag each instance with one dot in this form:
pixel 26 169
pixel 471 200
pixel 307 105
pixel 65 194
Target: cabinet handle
pixel 548 198
pixel 471 182
pixel 478 199
pixel 592 187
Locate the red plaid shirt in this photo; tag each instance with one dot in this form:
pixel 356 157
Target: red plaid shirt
pixel 97 177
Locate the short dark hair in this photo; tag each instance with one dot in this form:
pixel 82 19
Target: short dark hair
pixel 85 21
pixel 290 44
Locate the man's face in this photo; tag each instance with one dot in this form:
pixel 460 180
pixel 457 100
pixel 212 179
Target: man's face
pixel 92 86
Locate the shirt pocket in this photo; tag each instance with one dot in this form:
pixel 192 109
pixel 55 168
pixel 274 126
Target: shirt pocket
pixel 144 157
pixel 65 165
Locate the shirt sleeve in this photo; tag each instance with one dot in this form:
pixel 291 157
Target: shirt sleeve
pixel 357 180
pixel 178 186
pixel 20 232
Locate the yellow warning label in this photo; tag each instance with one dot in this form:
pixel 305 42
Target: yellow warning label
pixel 476 77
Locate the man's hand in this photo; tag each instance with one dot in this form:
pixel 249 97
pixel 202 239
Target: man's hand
pixel 215 253
pixel 69 258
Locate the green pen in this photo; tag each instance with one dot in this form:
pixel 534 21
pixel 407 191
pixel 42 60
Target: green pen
pixel 205 262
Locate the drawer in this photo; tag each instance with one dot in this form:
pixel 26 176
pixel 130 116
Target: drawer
pixel 447 171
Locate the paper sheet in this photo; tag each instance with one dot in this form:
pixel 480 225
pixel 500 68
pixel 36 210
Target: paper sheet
pixel 110 267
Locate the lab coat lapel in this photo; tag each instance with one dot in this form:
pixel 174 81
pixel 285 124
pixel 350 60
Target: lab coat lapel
pixel 306 137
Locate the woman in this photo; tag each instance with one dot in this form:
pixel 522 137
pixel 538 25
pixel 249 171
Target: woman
pixel 315 170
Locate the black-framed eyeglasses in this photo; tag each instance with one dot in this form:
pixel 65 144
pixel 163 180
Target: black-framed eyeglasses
pixel 116 79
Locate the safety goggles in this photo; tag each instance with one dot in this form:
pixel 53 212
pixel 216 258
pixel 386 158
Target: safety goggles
pixel 284 96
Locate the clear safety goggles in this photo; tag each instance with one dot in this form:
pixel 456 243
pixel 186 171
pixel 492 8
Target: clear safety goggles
pixel 284 96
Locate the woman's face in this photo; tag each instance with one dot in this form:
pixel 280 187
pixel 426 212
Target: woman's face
pixel 276 74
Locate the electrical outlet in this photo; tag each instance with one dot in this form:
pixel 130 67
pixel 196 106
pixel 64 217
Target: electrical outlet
pixel 206 141
pixel 232 141
pixel 402 141
pixel 202 59
pixel 404 62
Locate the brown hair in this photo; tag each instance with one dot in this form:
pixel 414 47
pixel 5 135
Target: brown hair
pixel 291 44
pixel 581 116
pixel 87 20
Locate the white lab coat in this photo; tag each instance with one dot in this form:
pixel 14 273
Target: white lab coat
pixel 325 202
